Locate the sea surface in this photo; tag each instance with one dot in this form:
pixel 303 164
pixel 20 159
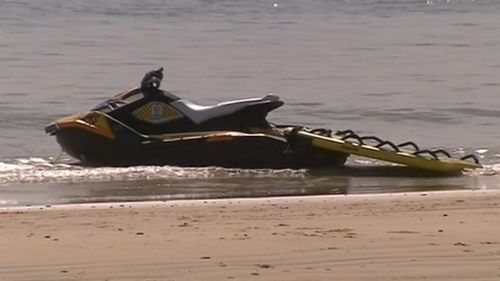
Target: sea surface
pixel 420 70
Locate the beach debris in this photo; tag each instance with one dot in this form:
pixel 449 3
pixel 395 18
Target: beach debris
pixel 264 265
pixel 488 243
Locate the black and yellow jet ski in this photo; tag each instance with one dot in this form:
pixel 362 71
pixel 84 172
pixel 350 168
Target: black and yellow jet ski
pixel 150 126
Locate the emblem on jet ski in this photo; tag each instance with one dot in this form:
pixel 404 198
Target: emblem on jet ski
pixel 156 112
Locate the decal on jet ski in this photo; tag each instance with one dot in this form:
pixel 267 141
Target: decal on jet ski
pixel 156 112
pixel 94 121
pixel 98 124
pixel 221 138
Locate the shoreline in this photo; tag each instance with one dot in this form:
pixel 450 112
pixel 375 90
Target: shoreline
pixel 443 235
pixel 246 200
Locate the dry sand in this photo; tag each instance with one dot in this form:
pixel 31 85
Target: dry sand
pixel 430 236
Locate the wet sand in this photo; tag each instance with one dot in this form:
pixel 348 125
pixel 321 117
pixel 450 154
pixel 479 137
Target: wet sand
pixel 429 236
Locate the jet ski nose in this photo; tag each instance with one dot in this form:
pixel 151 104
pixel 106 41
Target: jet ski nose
pixel 271 97
pixel 52 128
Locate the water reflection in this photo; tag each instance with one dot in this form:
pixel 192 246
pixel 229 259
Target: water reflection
pixel 345 181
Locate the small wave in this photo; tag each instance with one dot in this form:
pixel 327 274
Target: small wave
pixel 47 170
pixel 486 170
pixel 40 170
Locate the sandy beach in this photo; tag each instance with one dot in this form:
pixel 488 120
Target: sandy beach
pixel 428 236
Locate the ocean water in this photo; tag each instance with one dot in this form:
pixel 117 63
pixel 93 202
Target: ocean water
pixel 421 70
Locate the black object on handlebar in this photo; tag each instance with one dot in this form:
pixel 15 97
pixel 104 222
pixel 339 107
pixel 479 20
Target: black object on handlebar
pixel 152 79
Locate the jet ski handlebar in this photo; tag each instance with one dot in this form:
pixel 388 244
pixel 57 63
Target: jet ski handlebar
pixel 152 79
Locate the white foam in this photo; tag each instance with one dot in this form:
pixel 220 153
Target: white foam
pixel 7 167
pixel 481 151
pixel 33 170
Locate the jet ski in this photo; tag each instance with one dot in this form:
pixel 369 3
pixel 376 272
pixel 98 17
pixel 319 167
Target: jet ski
pixel 150 126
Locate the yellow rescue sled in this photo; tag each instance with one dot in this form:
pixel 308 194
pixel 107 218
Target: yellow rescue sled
pixel 407 153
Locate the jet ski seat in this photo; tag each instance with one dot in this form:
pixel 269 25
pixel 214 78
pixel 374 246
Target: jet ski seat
pixel 200 114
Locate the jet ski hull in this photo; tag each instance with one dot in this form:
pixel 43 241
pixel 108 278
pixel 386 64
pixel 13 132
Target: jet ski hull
pixel 222 149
